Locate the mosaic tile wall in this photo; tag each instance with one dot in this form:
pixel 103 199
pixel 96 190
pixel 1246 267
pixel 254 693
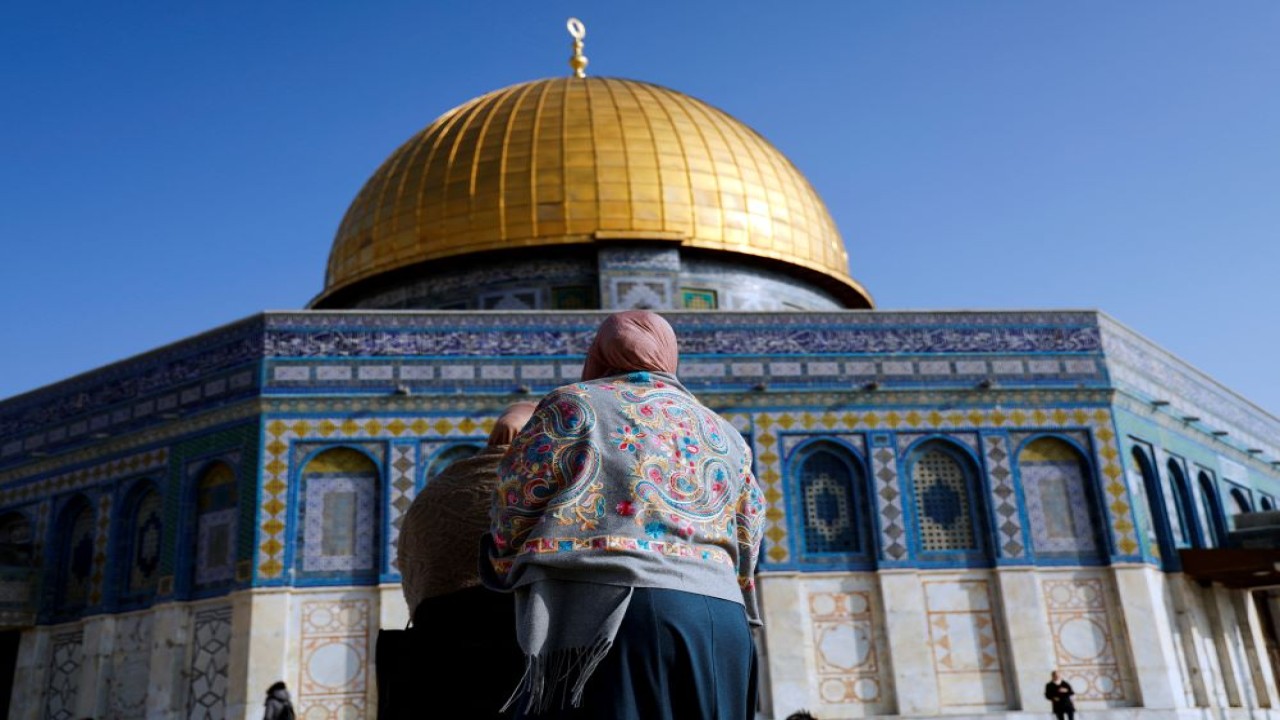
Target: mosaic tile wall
pixel 1089 648
pixel 146 527
pixel 210 658
pixel 216 520
pixel 771 432
pixel 221 367
pixel 1010 348
pixel 1059 510
pixel 338 516
pixel 281 434
pixel 77 558
pixel 403 468
pixel 1153 373
pixel 1004 496
pixel 650 276
pixel 335 661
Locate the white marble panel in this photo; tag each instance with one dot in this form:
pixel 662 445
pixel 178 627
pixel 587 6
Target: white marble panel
pixel 785 369
pixel 1043 367
pixel 417 372
pixel 824 368
pixel 130 668
pixel 935 367
pixel 291 373
pixel 1007 367
pixel 457 372
pixel 375 372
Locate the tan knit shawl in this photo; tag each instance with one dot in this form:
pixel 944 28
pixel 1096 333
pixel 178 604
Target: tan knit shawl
pixel 439 546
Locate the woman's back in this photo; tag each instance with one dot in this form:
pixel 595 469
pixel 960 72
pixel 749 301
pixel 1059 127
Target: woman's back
pixel 632 479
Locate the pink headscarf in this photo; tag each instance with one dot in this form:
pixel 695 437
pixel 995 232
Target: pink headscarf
pixel 510 422
pixel 630 341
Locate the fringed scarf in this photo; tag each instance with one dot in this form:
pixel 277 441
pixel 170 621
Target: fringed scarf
pixel 562 649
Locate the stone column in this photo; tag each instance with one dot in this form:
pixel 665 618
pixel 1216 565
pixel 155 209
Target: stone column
pixel 1192 626
pixel 1027 629
pixel 1235 669
pixel 1148 614
pixel 1264 680
pixel 170 662
pixel 907 627
pixel 260 622
pixel 29 678
pixel 790 648
pixel 99 644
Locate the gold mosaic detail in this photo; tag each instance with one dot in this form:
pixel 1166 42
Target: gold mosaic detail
pixel 76 479
pixel 275 463
pixel 567 161
pixel 767 446
pixel 100 549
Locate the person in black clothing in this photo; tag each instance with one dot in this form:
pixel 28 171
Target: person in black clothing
pixel 1059 692
pixel 277 705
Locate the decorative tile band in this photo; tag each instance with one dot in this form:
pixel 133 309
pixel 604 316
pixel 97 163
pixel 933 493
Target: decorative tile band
pixel 104 472
pixel 100 548
pixel 767 430
pixel 769 448
pixel 1004 497
pixel 884 470
pixel 281 433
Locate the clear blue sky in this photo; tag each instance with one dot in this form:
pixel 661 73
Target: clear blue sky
pixel 166 167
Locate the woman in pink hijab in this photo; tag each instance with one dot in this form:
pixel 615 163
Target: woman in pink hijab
pixel 627 522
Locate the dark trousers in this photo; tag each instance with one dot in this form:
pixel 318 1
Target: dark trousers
pixel 460 660
pixel 1064 714
pixel 677 656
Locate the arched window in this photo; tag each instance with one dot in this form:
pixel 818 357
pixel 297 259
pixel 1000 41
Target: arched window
pixel 448 457
pixel 1152 518
pixel 946 510
pixel 140 556
pixel 1213 508
pixel 1188 524
pixel 75 554
pixel 1059 505
pixel 215 540
pixel 1241 502
pixel 15 540
pixel 339 516
pixel 828 482
pixel 1266 504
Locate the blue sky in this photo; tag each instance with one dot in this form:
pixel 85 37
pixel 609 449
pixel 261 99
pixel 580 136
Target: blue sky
pixel 169 167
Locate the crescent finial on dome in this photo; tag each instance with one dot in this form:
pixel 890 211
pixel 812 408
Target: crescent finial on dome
pixel 577 61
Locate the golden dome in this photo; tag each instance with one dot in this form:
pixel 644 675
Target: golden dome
pixel 565 161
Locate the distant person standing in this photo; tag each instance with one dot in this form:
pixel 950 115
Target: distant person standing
pixel 277 705
pixel 1059 692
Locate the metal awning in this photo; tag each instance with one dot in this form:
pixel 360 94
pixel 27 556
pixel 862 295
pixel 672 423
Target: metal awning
pixel 1233 568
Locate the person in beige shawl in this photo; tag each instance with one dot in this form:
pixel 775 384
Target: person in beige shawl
pixel 463 631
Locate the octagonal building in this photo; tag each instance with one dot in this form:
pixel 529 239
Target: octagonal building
pixel 959 502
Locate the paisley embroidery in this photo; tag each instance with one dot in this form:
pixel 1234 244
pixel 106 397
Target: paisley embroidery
pixel 568 416
pixel 581 501
pixel 684 478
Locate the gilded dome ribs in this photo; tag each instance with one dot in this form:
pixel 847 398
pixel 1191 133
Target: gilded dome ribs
pixel 554 162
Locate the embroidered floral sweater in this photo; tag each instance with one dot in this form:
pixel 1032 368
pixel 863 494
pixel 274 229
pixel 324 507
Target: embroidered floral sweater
pixel 629 480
